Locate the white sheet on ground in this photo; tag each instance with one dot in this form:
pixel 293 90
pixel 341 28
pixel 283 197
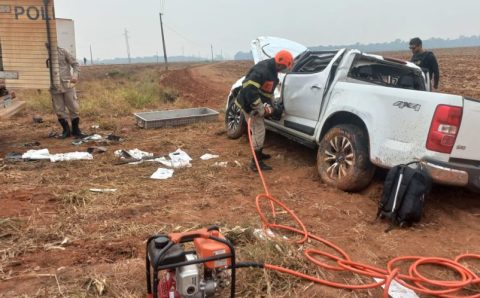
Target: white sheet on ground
pixel 398 291
pixel 36 154
pixel 179 155
pixel 176 164
pixel 139 154
pixel 163 161
pixel 208 156
pixel 162 174
pixel 95 137
pixel 70 156
pixel 178 159
pixel 44 154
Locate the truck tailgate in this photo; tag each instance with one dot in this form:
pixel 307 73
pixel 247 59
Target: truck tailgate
pixel 467 145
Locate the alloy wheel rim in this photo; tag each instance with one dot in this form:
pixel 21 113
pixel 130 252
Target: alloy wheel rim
pixel 339 157
pixel 233 117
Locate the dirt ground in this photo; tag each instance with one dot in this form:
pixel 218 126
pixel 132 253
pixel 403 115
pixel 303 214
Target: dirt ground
pixel 58 239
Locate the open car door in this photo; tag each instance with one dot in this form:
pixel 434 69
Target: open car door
pixel 304 89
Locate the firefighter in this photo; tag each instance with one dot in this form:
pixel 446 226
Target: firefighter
pixel 255 99
pixel 64 99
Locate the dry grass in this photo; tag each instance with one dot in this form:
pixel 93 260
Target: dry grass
pixel 115 93
pixel 105 233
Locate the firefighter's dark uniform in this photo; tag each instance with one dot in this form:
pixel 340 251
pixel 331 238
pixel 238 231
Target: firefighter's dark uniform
pixel 257 89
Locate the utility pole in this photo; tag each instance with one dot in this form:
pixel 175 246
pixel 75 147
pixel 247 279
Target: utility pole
pixel 163 42
pixel 128 46
pixel 91 55
pixel 211 46
pixel 157 57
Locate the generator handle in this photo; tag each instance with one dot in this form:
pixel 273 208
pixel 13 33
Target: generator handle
pixel 189 236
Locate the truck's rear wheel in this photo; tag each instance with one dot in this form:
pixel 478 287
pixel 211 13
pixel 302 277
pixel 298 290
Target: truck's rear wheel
pixel 235 121
pixel 343 159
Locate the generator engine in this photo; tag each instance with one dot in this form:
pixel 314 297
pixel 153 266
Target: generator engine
pixel 182 273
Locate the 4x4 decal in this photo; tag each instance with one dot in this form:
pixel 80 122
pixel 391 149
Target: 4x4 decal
pixel 409 105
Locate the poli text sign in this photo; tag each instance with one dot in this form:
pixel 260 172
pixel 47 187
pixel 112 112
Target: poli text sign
pixel 31 12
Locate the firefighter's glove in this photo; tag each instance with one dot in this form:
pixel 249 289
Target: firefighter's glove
pixel 268 110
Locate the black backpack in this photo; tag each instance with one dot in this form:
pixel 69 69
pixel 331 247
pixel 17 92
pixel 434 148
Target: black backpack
pixel 404 194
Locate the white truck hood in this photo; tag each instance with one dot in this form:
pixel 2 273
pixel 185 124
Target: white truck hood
pixel 265 47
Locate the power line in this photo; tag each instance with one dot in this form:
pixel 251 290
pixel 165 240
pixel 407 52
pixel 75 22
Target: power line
pixel 181 35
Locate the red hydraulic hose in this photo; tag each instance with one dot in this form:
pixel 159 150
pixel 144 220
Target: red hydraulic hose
pixel 414 280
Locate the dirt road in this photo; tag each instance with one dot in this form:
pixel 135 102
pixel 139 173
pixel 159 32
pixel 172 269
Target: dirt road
pixel 59 239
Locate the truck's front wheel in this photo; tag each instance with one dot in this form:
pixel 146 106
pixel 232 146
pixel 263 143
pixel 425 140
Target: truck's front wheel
pixel 235 122
pixel 343 159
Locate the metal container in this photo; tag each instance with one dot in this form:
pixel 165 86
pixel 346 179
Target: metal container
pixel 170 118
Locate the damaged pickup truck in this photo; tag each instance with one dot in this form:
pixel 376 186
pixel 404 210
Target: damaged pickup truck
pixel 364 111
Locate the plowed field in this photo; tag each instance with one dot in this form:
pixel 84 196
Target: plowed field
pixel 58 239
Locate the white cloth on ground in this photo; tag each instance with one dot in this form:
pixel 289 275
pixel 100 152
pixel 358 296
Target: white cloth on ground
pixel 208 156
pixel 162 174
pixel 36 154
pixel 44 154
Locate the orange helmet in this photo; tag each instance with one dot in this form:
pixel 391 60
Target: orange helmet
pixel 284 58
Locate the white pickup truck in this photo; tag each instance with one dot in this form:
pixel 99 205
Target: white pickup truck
pixel 364 111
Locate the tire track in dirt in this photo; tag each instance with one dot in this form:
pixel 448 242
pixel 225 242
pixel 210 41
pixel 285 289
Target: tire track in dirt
pixel 205 85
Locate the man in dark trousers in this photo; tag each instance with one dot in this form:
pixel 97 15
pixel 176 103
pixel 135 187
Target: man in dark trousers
pixel 255 99
pixel 425 59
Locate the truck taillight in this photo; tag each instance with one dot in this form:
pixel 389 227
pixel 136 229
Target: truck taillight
pixel 444 129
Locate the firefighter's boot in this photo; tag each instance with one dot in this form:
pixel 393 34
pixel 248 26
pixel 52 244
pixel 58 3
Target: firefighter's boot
pixel 66 129
pixel 76 132
pixel 263 166
pixel 264 156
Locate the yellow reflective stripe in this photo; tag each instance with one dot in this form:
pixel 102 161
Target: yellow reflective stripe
pixel 250 82
pixel 268 95
pixel 237 104
pixel 257 102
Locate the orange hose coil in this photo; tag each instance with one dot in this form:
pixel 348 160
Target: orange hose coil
pixel 344 262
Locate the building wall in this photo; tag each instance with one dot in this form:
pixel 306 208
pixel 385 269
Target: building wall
pixel 23 38
pixel 66 35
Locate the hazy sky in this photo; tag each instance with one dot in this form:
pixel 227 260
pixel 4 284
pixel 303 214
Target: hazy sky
pixel 192 25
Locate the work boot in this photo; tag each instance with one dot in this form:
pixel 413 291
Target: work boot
pixel 263 166
pixel 66 129
pixel 264 156
pixel 76 132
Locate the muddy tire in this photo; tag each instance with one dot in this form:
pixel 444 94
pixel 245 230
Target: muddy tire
pixel 343 158
pixel 235 121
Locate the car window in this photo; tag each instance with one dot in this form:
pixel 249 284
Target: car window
pixel 386 73
pixel 314 62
